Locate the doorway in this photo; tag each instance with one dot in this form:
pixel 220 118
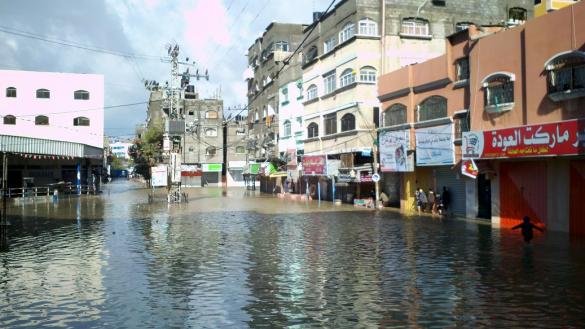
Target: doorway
pixel 484 197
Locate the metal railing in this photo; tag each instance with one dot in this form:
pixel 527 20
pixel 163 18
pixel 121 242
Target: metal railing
pixel 40 191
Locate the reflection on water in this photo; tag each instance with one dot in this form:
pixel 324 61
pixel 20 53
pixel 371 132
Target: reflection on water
pixel 237 261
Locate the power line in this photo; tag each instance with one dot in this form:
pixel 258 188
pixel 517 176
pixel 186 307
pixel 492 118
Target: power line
pixel 74 44
pixel 84 110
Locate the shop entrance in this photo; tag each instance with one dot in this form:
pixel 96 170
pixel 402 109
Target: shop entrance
pixel 577 199
pixel 484 197
pixel 523 192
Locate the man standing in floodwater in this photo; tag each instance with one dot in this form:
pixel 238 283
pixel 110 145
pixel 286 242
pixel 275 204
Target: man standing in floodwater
pixel 527 227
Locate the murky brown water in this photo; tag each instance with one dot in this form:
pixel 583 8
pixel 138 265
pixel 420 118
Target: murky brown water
pixel 240 261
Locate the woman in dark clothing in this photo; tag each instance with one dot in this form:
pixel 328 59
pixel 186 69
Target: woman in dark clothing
pixel 446 199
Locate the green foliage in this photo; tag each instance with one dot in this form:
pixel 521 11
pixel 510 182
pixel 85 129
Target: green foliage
pixel 117 163
pixel 147 151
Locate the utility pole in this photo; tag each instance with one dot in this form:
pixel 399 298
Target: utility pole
pixel 3 219
pixel 175 128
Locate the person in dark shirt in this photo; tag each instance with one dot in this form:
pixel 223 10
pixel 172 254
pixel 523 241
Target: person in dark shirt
pixel 527 228
pixel 446 199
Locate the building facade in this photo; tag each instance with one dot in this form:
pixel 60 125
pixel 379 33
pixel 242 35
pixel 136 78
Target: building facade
pixel 52 126
pixel 516 113
pixel 265 59
pixel 349 47
pixel 235 149
pixel 541 7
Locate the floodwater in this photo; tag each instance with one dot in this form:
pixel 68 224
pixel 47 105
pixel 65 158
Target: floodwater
pixel 244 260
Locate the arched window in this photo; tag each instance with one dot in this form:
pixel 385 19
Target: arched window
pixel 330 121
pixel 566 75
pixel 313 130
pixel 281 46
pixel 81 121
pixel 347 32
pixel 414 27
pixel 395 115
pixel 311 92
pixel 347 78
pixel 211 132
pixel 287 128
pixel 517 15
pixel 9 120
pixel 347 122
pixel 240 150
pixel 42 120
pixel 81 94
pixel 256 116
pixel 211 115
pixel 210 151
pixel 43 93
pixel 312 53
pixel 329 44
pixel 434 107
pixel 367 26
pixel 368 74
pixel 499 92
pixel 10 92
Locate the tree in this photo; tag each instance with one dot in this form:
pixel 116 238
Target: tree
pixel 147 150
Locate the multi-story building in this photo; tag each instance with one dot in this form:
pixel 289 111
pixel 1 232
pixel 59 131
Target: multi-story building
pixel 351 45
pixel 201 141
pixel 120 150
pixel 52 126
pixel 541 7
pixel 235 149
pixel 522 106
pixel 265 59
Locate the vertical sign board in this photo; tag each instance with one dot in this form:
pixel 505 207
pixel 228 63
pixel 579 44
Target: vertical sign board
pixel 394 147
pixel 176 168
pixel 315 164
pixel 434 146
pixel 158 176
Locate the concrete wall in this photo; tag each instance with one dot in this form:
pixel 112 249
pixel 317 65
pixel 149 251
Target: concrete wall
pixel 61 108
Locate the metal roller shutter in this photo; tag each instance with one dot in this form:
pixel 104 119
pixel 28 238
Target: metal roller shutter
pixel 456 185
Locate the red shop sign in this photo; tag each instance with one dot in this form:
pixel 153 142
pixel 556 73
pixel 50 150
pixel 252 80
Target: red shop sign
pixel 314 164
pixel 560 138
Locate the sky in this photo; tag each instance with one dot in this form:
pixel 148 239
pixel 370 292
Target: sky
pixel 129 37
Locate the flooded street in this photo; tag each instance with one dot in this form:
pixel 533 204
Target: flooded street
pixel 246 260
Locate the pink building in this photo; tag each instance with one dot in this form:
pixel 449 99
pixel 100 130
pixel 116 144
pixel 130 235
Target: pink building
pixel 50 123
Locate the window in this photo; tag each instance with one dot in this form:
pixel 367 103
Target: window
pixel 329 44
pixel 10 92
pixel 191 149
pixel 347 78
pixel 81 121
pixel 434 107
pixel 285 96
pixel 347 122
pixel 312 54
pixel 210 151
pixel 9 120
pixel 517 15
pixel 566 74
pixel 191 112
pixel 462 26
pixel 347 32
pixel 42 120
pixel 240 150
pixel 287 128
pixel 329 82
pixel 313 130
pixel 368 74
pixel 256 116
pixel 414 27
pixel 330 121
pixel 211 115
pixel 43 93
pixel 368 27
pixel 311 92
pixel 81 94
pixel 281 46
pixel 499 90
pixel 395 115
pixel 537 2
pixel 211 132
pixel 461 125
pixel 462 66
